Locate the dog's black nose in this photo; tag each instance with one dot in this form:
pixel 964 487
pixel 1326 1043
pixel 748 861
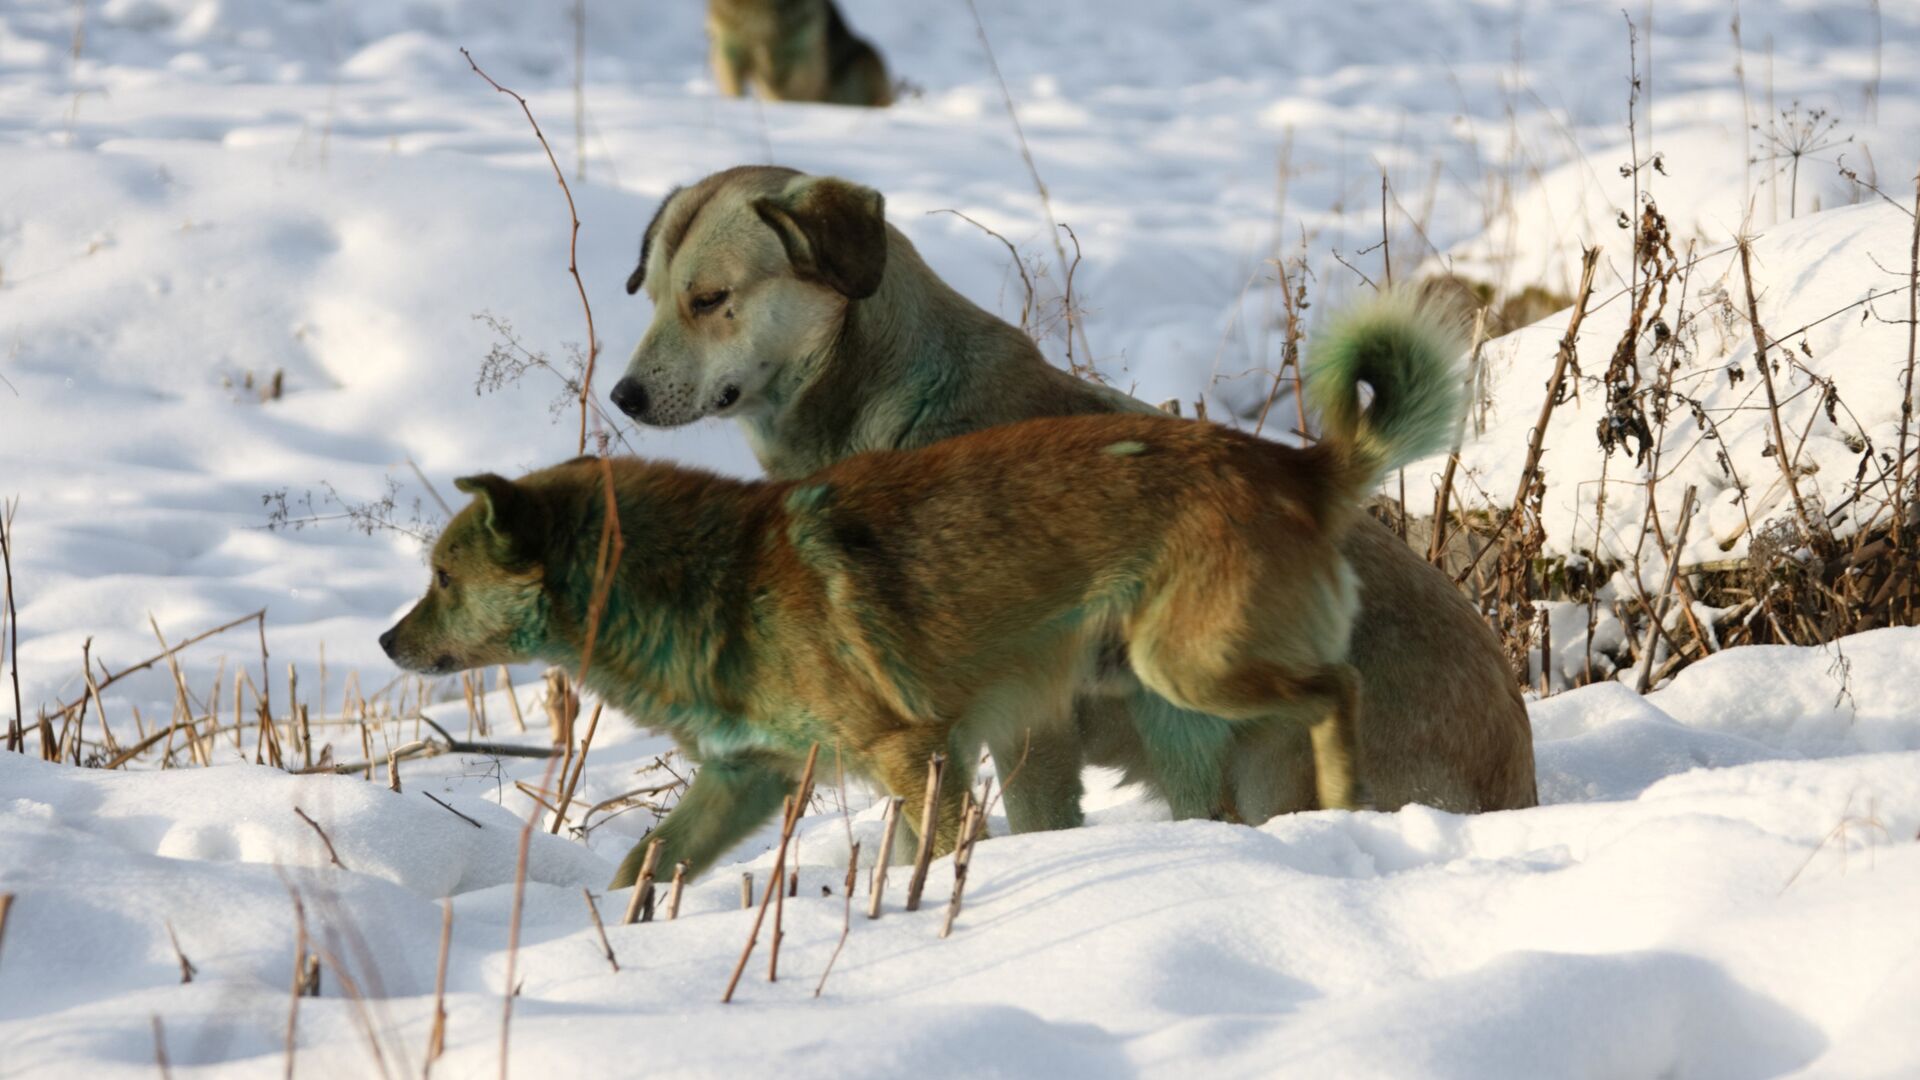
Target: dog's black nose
pixel 630 397
pixel 727 397
pixel 386 642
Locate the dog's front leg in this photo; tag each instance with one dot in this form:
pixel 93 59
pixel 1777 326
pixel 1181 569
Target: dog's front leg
pixel 1039 771
pixel 727 799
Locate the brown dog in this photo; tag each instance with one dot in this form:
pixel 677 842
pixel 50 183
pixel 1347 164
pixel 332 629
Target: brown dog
pixel 787 302
pixel 902 604
pixel 793 50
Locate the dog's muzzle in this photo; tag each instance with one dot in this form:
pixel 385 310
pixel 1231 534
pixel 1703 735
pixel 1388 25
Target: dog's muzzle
pixel 630 397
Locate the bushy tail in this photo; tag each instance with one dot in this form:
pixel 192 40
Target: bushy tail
pixel 1405 350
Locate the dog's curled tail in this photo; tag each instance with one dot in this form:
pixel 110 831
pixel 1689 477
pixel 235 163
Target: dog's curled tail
pixel 1405 350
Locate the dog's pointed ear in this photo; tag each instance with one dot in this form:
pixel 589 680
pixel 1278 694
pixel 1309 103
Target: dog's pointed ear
pixel 834 230
pixel 511 513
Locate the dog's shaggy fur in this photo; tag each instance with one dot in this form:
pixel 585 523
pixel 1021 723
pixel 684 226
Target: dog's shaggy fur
pixel 787 302
pixel 793 50
pixel 899 604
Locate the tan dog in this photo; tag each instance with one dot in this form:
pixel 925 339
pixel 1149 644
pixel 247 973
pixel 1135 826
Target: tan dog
pixel 793 50
pixel 787 302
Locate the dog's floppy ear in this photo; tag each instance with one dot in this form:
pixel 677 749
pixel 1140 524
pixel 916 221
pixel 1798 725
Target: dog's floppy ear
pixel 511 513
pixel 835 232
pixel 639 275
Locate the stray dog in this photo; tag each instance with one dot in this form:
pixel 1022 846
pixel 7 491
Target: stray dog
pixel 786 302
pixel 793 50
pixel 899 604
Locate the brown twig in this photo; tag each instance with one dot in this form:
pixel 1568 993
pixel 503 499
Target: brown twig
pixel 673 894
pixel 579 764
pixel 1766 382
pixel 573 250
pixel 437 1038
pixel 1657 615
pixel 600 928
pixel 16 731
pixel 797 807
pixel 160 1049
pixel 322 833
pixel 642 885
pixel 878 888
pixel 450 809
pixel 6 905
pixel 929 826
pixel 187 970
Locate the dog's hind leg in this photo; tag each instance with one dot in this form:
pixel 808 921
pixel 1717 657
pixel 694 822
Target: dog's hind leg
pixel 1039 771
pixel 1187 754
pixel 727 799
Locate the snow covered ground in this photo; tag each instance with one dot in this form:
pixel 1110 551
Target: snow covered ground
pixel 199 193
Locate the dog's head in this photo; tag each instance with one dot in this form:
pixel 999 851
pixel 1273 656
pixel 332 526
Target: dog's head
pixel 750 270
pixel 484 604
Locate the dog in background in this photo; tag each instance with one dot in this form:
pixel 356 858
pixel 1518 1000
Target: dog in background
pixel 793 50
pixel 786 302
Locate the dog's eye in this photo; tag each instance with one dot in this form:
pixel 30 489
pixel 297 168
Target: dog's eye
pixel 445 579
pixel 708 301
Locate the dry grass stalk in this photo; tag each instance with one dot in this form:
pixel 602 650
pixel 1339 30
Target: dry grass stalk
pixel 1658 615
pixel 187 970
pixel 437 1038
pixel 579 764
pixel 160 1049
pixel 781 876
pixel 16 731
pixel 322 833
pixel 600 929
pixel 795 808
pixel 1906 385
pixel 573 252
pixel 6 905
pixel 673 894
pixel 846 914
pixel 393 770
pixel 505 682
pixel 1074 323
pixel 1780 453
pixel 300 973
pixel 746 889
pixel 973 823
pixel 562 706
pixel 643 886
pixel 929 823
pixel 878 886
pixel 444 805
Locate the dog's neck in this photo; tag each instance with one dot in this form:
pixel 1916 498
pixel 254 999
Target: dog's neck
pixel 669 640
pixel 898 359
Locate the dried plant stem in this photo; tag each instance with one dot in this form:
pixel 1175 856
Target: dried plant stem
pixel 6 905
pixel 673 894
pixel 1074 323
pixel 643 885
pixel 1658 614
pixel 1766 382
pixel 929 826
pixel 16 732
pixel 573 248
pixel 579 764
pixel 160 1049
pixel 878 888
pixel 1564 360
pixel 600 929
pixel 258 617
pixel 795 808
pixel 846 916
pixel 1437 544
pixel 331 854
pixel 437 1038
pixel 513 699
pixel 187 970
pixel 781 876
pixel 1906 386
pixel 746 889
pixel 972 822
